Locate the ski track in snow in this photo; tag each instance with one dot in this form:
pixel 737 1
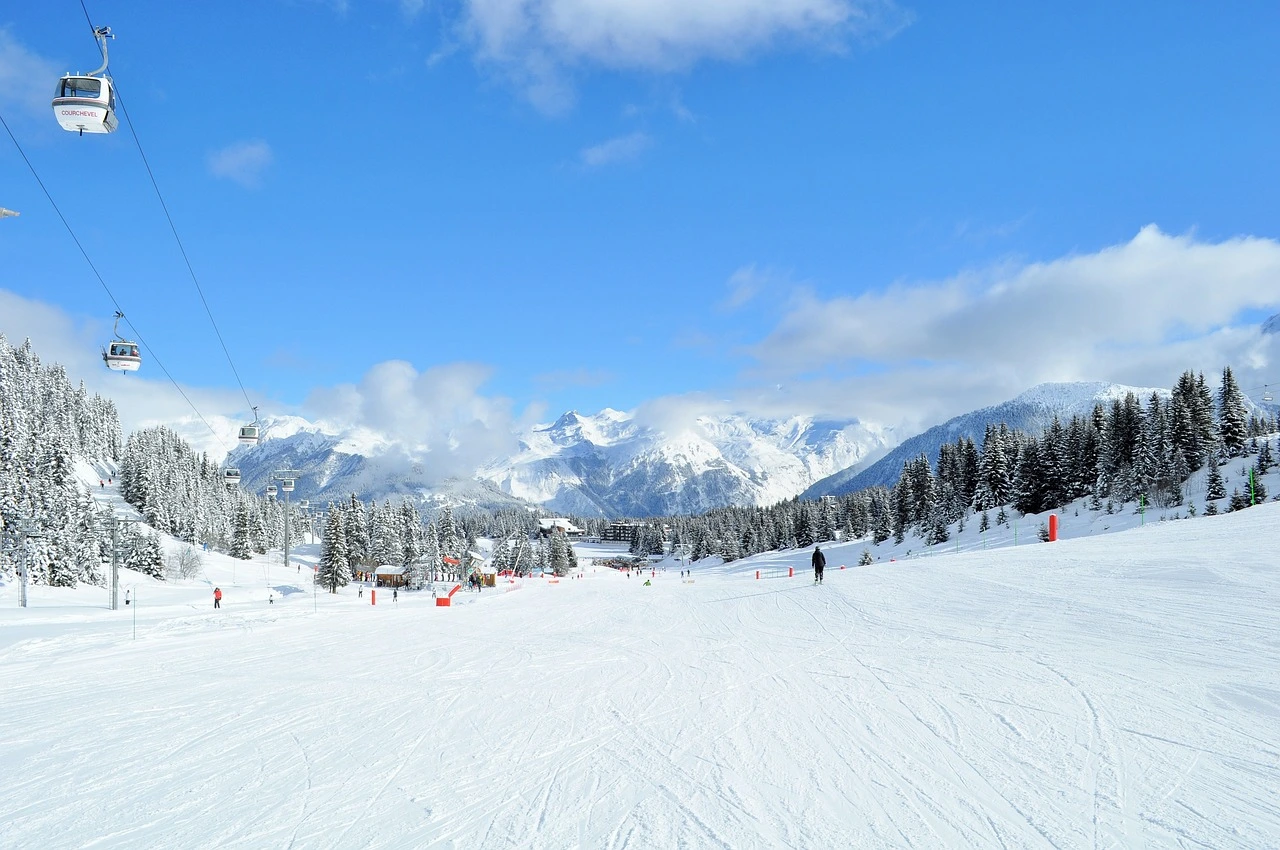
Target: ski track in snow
pixel 1108 692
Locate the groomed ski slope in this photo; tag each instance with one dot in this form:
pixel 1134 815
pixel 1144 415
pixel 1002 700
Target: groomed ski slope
pixel 1114 691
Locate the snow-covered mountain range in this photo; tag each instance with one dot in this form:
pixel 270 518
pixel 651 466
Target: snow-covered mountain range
pixel 611 464
pixel 608 464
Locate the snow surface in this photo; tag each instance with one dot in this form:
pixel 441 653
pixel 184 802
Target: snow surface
pixel 1111 691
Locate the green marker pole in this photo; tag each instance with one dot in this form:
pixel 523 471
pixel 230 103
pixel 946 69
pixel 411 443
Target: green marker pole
pixel 1252 501
pixel 1142 508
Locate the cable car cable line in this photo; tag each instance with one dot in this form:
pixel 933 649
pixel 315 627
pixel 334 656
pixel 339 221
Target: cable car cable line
pixel 173 228
pixel 141 341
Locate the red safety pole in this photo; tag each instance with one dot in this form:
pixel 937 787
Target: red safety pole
pixel 373 597
pixel 757 575
pixel 1053 527
pixel 791 572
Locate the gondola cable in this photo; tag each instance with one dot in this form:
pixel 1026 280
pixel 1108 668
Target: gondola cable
pixel 173 229
pixel 150 351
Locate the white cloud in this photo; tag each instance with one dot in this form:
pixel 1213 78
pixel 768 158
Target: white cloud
pixel 242 162
pixel 1137 313
pixel 621 149
pixel 749 281
pixel 27 80
pixel 537 40
pixel 438 416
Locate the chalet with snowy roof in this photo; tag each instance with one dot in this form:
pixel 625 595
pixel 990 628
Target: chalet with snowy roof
pixel 547 525
pixel 390 576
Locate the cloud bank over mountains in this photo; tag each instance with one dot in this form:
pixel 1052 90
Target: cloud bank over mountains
pixel 1137 313
pixel 908 356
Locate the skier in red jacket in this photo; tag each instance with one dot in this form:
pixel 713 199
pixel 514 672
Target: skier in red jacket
pixel 217 597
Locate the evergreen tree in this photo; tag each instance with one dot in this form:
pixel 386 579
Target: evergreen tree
pixel 1029 490
pixel 1266 459
pixel 1232 418
pixel 241 545
pixel 451 540
pixel 355 527
pixel 558 553
pixel 1215 488
pixel 431 554
pixel 142 553
pixel 882 527
pixel 334 567
pixel 411 533
pixel 938 531
pixel 385 541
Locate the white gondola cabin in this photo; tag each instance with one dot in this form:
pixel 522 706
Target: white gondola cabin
pixel 231 476
pixel 86 103
pixel 271 491
pixel 249 433
pixel 121 355
pixel 304 503
pixel 286 484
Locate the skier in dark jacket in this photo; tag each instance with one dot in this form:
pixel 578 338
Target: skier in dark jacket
pixel 819 561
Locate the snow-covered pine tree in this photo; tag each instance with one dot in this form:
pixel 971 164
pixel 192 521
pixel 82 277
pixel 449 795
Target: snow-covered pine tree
pixel 558 553
pixel 1215 487
pixel 334 567
pixel 242 534
pixel 411 532
pixel 356 530
pixel 142 552
pixel 385 542
pixel 451 539
pixel 431 554
pixel 1029 493
pixel 1232 417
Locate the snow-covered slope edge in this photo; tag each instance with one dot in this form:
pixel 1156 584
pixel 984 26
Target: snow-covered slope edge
pixel 1030 412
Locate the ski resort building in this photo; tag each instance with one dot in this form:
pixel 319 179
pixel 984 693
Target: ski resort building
pixel 620 532
pixel 564 526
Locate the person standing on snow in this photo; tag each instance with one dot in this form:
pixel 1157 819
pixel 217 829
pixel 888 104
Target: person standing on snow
pixel 217 597
pixel 819 562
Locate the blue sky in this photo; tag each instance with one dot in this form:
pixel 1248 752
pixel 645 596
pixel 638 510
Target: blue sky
pixel 814 206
